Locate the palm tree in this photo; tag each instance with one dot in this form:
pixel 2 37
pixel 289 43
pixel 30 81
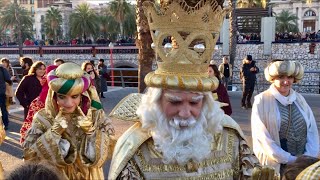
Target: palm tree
pixel 232 31
pixel 286 21
pixel 83 21
pixel 53 22
pixel 119 9
pixel 129 25
pixel 143 42
pixel 18 19
pixel 108 26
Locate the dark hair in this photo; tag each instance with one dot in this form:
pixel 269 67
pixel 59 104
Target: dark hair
pixel 84 66
pixel 26 60
pixel 58 60
pixel 249 57
pixel 294 169
pixel 36 66
pixel 35 171
pixel 101 60
pixel 215 71
pixel 5 60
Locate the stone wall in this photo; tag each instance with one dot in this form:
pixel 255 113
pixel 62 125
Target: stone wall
pixel 287 51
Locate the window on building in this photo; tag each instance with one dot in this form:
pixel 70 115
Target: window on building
pixel 309 13
pixel 31 1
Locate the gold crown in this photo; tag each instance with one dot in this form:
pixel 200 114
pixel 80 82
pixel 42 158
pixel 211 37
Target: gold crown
pixel 194 31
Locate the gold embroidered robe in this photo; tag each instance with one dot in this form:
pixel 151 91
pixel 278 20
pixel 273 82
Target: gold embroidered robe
pixel 43 144
pixel 136 158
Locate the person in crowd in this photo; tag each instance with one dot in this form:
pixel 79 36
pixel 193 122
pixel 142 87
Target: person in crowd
pixel 103 73
pixel 30 86
pixel 89 68
pixel 93 63
pixel 225 69
pixel 4 80
pixel 9 88
pixel 282 123
pixel 248 77
pixel 294 169
pixel 25 63
pixel 58 61
pixel 72 132
pixel 36 105
pixel 221 92
pixel 181 132
pixel 34 171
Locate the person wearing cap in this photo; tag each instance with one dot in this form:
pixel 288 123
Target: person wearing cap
pixel 248 77
pixel 72 132
pixel 283 125
pixel 180 131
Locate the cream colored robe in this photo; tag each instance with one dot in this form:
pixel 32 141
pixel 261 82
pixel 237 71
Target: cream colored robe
pixel 265 130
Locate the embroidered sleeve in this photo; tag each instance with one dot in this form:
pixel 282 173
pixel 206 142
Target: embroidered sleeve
pixel 247 160
pixel 97 147
pixel 42 143
pixel 130 172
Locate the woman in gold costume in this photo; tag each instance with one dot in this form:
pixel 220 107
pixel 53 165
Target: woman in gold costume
pixel 72 131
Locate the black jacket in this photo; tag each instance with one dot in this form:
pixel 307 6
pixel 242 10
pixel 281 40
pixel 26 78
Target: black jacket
pixel 246 74
pixel 4 77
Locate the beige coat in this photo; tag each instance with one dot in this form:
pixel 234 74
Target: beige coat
pixel 221 69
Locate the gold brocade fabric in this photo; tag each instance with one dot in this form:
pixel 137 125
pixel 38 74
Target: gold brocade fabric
pixel 43 144
pixel 135 157
pixel 147 162
pixel 127 107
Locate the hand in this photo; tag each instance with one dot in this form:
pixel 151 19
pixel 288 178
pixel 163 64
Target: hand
pixel 253 69
pixel 60 123
pixel 13 78
pixel 85 122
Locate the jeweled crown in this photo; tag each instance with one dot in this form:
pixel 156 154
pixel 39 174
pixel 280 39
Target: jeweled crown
pixel 194 31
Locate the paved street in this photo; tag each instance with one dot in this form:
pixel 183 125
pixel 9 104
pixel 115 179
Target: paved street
pixel 11 152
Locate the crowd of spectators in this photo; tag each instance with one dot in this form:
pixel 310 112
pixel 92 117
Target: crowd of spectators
pixel 249 38
pixel 126 41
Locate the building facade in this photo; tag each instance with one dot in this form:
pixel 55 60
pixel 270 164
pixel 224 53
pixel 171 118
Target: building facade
pixel 306 10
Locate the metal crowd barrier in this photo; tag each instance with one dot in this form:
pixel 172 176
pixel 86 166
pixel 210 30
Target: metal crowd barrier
pixel 128 77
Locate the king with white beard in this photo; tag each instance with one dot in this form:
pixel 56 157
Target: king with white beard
pixel 181 135
pixel 181 132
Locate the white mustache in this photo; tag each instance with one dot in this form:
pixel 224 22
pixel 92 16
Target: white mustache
pixel 179 123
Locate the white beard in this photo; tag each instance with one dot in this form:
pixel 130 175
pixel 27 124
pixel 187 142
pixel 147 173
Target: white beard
pixel 180 145
pixel 181 142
